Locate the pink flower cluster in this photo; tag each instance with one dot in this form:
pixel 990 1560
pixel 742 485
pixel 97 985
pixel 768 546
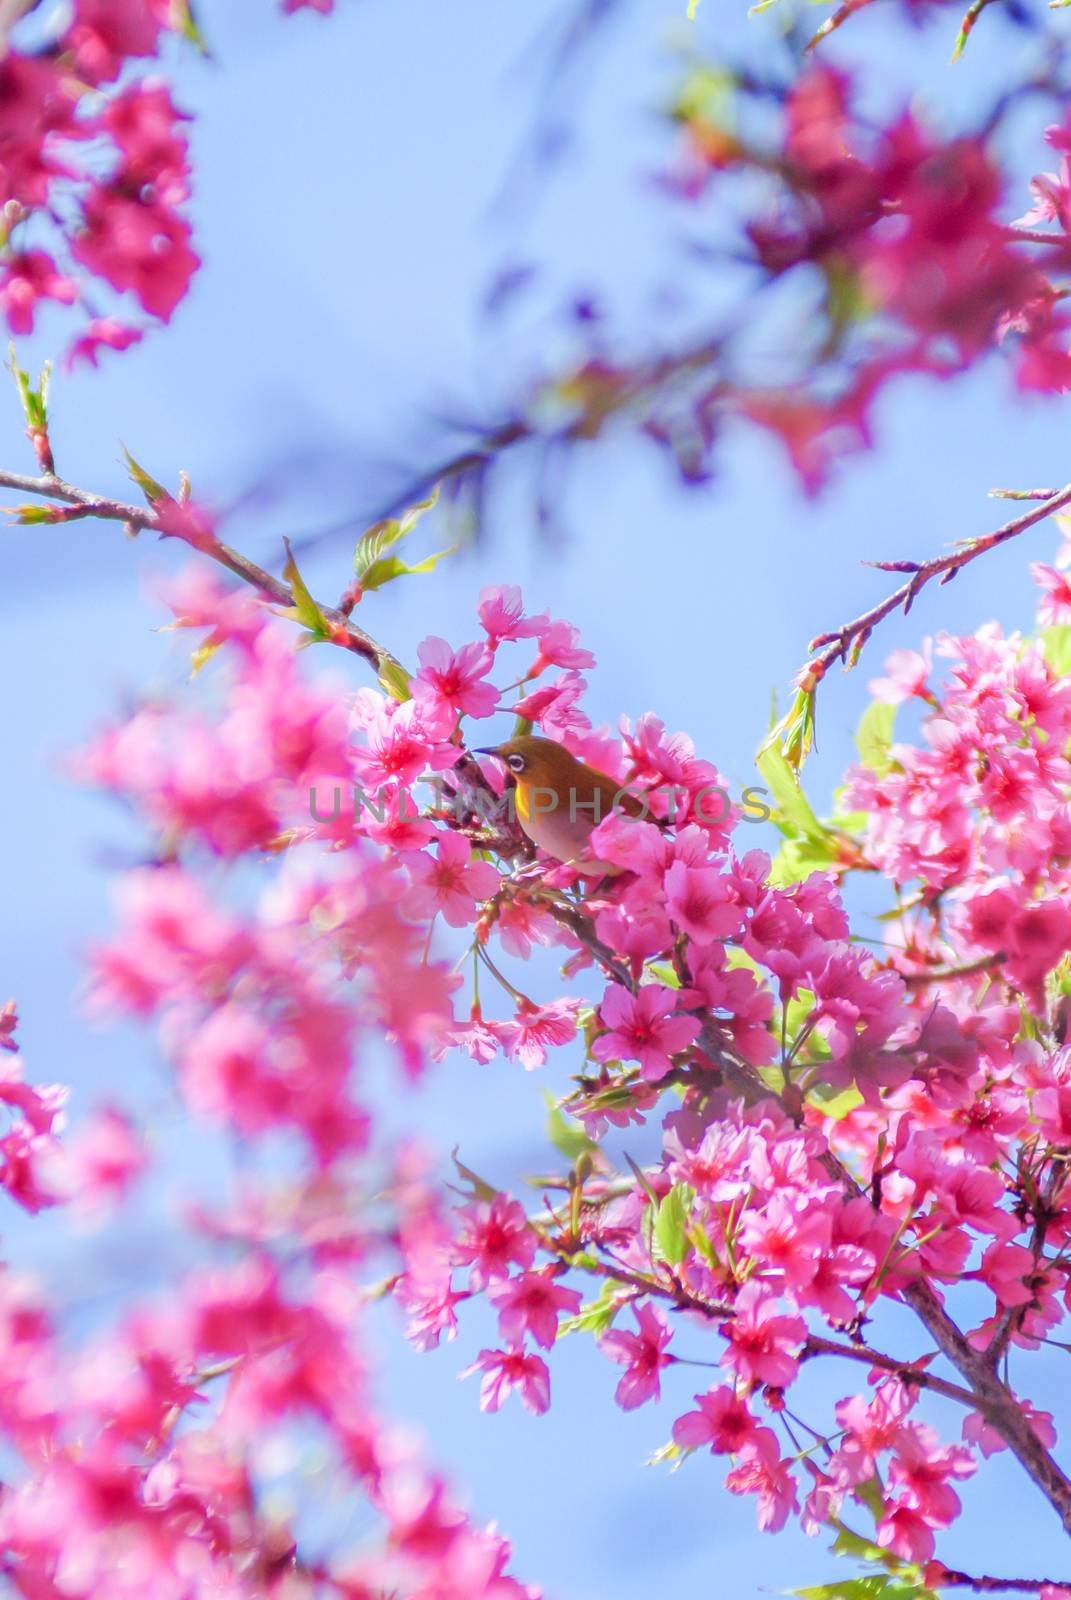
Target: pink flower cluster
pixel 899 230
pixel 840 1129
pixel 139 1476
pixel 117 221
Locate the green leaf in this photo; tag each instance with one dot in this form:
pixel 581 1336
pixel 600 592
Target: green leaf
pixel 846 298
pixel 373 563
pixel 481 1190
pixel 186 25
pixel 395 679
pixel 874 736
pixel 203 655
pixel 793 736
pixel 565 1135
pixel 873 1587
pixel 735 957
pixel 835 1103
pixel 673 1452
pixel 794 815
pixel 34 401
pixel 1056 648
pixel 305 608
pixel 598 1314
pixel 391 567
pixel 848 1543
pixel 671 1224
pixel 644 1183
pixel 27 515
pixel 798 858
pixel 665 973
pixel 154 492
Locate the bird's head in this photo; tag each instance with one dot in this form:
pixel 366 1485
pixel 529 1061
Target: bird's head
pixel 534 761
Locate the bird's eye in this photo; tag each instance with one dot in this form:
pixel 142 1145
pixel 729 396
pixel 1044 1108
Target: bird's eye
pixel 516 763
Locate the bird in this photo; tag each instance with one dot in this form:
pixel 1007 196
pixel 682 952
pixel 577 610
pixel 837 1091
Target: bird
pixel 560 800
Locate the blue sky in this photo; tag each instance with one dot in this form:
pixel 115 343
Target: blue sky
pixel 349 209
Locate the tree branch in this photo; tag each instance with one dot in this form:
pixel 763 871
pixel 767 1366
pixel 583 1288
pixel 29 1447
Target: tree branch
pixel 941 1577
pixel 49 487
pixel 846 642
pixel 970 969
pixel 818 1346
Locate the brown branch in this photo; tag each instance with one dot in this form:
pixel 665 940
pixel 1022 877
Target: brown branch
pixel 915 980
pixel 846 643
pixel 990 1396
pixel 948 1578
pixel 582 928
pixel 1022 494
pixel 1035 235
pixel 818 1346
pixel 623 390
pixel 49 487
pixel 1002 1411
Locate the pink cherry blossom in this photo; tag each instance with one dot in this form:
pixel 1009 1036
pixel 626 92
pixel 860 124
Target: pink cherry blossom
pixel 723 1421
pixel 507 1370
pixel 534 1029
pixel 763 1473
pixel 700 902
pixel 28 279
pixel 531 1304
pixel 559 646
pixel 103 333
pixel 141 246
pixel 906 676
pixel 450 883
pixel 643 1028
pixel 1054 607
pixel 501 613
pixel 643 1355
pixel 494 1235
pixel 454 679
pixel 763 1342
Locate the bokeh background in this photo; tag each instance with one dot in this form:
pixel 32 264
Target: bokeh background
pixel 361 182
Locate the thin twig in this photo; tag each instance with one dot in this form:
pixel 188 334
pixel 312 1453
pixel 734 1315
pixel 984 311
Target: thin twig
pixel 1035 235
pixel 948 1578
pixel 818 1346
pixel 50 487
pixel 915 980
pixel 846 642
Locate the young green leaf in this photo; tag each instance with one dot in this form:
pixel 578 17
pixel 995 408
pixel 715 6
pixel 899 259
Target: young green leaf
pixel 1056 648
pixel 154 492
pixel 671 1224
pixel 565 1135
pixel 305 608
pixel 794 815
pixel 34 401
pixel 481 1190
pixel 874 736
pixel 793 736
pixel 798 858
pixel 394 679
pixel 372 561
pixel 391 567
pixel 598 1314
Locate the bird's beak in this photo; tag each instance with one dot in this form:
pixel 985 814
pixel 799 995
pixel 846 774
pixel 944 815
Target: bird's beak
pixel 487 750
